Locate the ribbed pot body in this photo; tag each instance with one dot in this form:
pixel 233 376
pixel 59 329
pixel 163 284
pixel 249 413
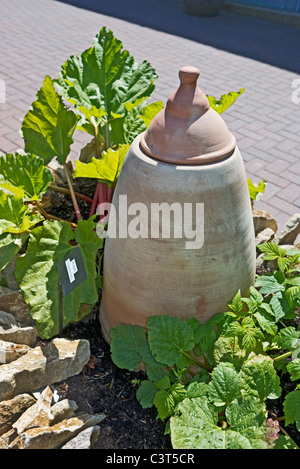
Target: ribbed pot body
pixel 197 267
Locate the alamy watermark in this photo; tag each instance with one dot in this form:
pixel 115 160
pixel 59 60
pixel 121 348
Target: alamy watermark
pixel 296 93
pixel 159 221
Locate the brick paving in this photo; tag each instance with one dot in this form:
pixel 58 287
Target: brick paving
pixel 232 52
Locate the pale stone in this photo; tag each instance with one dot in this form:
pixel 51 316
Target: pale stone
pixel 265 236
pixel 19 335
pixel 58 360
pixel 9 351
pixel 52 437
pixel 12 409
pixel 263 220
pixel 85 439
pixel 12 331
pixel 63 410
pixel 38 415
pixel 13 302
pixel 7 438
pixel 290 231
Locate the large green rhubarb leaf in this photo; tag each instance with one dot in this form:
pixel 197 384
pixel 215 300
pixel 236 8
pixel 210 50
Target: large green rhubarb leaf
pixel 169 338
pixel 129 349
pixel 48 126
pixel 106 169
pixel 38 276
pixel 259 378
pixel 105 76
pixel 25 175
pixel 195 426
pixel 14 215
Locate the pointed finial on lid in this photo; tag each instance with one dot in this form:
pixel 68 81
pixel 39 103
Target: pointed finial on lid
pixel 187 130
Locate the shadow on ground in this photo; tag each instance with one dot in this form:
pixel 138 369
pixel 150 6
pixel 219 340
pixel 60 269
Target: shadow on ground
pixel 266 41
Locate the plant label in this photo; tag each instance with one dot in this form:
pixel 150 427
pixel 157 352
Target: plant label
pixel 71 271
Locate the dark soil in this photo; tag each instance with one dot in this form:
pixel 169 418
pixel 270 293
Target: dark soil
pixel 104 388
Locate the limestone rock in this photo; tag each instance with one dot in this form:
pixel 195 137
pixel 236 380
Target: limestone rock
pixel 51 437
pixel 12 331
pixel 7 438
pixel 290 231
pixel 12 409
pixel 263 220
pixel 13 302
pixel 58 360
pixel 265 236
pixel 38 415
pixel 63 410
pixel 84 440
pixel 9 351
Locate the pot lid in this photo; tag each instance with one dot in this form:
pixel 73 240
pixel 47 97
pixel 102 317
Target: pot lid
pixel 187 130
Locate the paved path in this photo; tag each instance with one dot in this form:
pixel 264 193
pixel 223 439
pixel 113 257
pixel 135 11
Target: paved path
pixel 232 51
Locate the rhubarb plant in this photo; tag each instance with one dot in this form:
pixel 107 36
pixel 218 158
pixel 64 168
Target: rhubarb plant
pixel 105 93
pixel 212 383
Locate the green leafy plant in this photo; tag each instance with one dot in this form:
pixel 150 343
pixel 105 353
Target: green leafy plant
pixel 212 383
pixel 225 101
pixel 103 92
pixel 256 190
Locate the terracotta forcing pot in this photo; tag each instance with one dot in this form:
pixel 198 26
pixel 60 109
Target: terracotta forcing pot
pixel 181 237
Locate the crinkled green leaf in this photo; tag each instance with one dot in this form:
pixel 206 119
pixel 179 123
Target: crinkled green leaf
pixel 271 251
pixel 247 416
pixel 291 406
pixel 14 215
pixel 48 126
pixel 25 175
pixel 294 369
pixel 259 378
pixel 281 307
pixel 225 385
pixel 10 244
pixel 129 349
pixel 106 169
pixel 197 389
pixel 105 76
pixel 204 337
pixel 145 394
pixel 226 100
pixel 38 277
pixel 165 401
pixel 227 349
pixel 128 344
pixel 168 338
pixel 237 303
pixel 268 284
pixel 195 426
pixel 287 338
pixel 266 321
pixel 124 128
